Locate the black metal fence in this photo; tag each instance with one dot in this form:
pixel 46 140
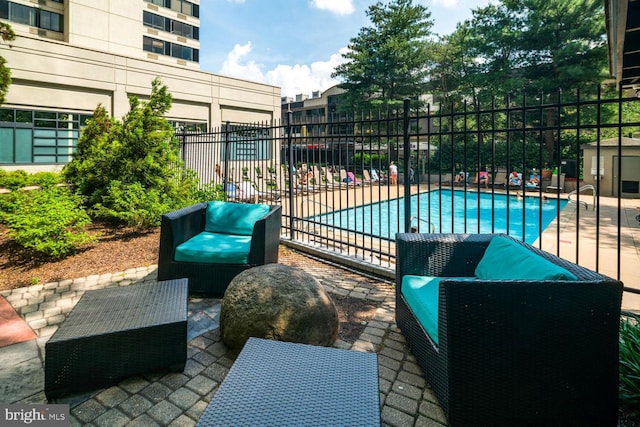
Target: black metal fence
pixel 561 171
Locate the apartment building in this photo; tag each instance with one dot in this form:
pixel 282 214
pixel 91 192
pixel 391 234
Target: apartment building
pixel 71 55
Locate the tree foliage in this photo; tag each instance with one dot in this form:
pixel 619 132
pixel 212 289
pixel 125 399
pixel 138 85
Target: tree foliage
pixel 387 61
pixel 130 171
pixel 7 34
pixel 528 47
pixel 527 51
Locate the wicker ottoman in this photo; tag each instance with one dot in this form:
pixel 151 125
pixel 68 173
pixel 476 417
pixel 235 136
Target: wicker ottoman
pixel 118 332
pixel 278 384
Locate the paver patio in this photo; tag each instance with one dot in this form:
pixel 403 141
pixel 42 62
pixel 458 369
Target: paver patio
pixel 179 399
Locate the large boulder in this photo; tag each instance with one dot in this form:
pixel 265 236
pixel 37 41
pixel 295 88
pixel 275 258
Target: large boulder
pixel 277 302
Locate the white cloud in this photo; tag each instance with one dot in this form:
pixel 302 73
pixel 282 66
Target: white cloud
pixel 304 79
pixel 293 79
pixel 445 3
pixel 339 7
pixel 234 65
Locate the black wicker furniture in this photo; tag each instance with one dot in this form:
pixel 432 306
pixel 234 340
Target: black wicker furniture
pixel 511 352
pixel 114 333
pixel 212 276
pixel 274 383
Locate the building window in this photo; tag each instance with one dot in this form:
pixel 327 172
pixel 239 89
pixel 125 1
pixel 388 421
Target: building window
pixel 50 21
pixel 247 143
pixel 31 137
pixel 153 21
pixel 34 17
pixel 161 47
pixel 153 45
pixel 22 14
pixel 169 25
pixel 182 126
pixel 180 6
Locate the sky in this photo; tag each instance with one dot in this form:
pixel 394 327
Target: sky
pixel 296 44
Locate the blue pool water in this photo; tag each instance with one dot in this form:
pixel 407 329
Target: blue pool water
pixel 445 209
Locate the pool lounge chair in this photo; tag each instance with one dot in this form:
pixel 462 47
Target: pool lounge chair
pixel 366 178
pixel 376 178
pixel 351 177
pixel 461 178
pixel 333 181
pixel 554 183
pixel 320 180
pixel 249 193
pixel 514 180
pixel 483 178
pixel 533 183
pixel 500 180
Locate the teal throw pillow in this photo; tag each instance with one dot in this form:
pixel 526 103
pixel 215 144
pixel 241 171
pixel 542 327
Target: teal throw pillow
pixel 505 259
pixel 233 218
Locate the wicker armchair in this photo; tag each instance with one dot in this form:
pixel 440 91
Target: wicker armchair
pixel 513 352
pixel 213 278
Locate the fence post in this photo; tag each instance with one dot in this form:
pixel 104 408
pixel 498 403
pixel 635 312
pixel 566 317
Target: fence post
pixel 407 167
pixel 227 157
pixel 290 167
pixel 183 147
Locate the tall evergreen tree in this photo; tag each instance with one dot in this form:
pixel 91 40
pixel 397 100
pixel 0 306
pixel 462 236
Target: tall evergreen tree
pixel 387 61
pixel 130 171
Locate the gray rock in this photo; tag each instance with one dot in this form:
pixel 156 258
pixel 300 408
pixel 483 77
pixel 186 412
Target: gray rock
pixel 277 302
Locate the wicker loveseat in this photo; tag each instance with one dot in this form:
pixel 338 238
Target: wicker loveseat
pixel 210 243
pixel 509 352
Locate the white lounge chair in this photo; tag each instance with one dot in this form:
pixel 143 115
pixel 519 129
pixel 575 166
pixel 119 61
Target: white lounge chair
pixel 554 183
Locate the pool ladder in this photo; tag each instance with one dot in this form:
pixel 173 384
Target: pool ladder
pixel 582 202
pixel 432 228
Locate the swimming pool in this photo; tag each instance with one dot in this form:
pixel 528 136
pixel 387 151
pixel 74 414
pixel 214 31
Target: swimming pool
pixel 445 210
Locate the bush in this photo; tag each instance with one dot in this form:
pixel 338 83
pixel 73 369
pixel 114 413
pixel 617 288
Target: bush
pixel 630 364
pixel 130 170
pixel 14 180
pixel 51 221
pixel 210 192
pixel 9 203
pixel 45 179
pixel 18 179
pixel 133 205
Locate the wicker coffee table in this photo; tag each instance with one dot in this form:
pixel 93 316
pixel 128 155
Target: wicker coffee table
pixel 117 332
pixel 275 383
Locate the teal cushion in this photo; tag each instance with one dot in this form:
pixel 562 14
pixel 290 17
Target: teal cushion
pixel 421 293
pixel 505 259
pixel 215 248
pixel 233 218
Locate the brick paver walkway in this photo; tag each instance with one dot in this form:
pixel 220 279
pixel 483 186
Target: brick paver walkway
pixel 178 399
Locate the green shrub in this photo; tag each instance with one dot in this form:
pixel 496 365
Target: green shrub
pixel 127 167
pixel 209 192
pixel 45 179
pixel 9 203
pixel 14 180
pixel 133 205
pixel 18 179
pixel 51 222
pixel 630 363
